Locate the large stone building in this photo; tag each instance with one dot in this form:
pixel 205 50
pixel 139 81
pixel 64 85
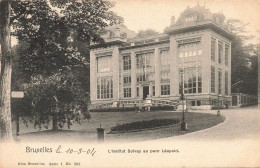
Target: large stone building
pixel 195 49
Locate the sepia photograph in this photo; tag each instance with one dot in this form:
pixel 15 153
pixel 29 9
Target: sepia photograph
pixel 129 83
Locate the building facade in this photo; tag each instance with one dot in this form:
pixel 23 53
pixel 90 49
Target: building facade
pixel 192 56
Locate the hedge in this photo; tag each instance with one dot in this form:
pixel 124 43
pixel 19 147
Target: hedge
pixel 143 125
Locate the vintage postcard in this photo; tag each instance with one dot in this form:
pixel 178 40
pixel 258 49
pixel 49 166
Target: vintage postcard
pixel 129 83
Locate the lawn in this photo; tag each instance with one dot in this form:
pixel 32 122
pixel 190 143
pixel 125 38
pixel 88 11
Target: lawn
pixel 86 132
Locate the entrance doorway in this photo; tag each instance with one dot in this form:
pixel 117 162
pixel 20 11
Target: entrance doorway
pixel 234 100
pixel 145 92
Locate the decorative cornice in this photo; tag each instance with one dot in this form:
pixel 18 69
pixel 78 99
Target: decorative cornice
pixel 200 26
pixel 189 41
pixel 143 45
pixel 107 44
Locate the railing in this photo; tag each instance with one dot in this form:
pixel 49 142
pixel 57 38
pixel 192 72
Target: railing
pixel 165 102
pixel 154 102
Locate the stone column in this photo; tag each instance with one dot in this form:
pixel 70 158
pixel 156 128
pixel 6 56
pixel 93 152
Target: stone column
pixel 140 91
pixel 174 67
pixel 133 74
pixel 206 62
pixel 157 75
pixel 150 89
pixel 115 70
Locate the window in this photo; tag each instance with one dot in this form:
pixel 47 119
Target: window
pixel 124 35
pixel 145 60
pixel 117 32
pixel 153 90
pixel 213 48
pixel 192 80
pixel 127 92
pixel 165 90
pixel 127 62
pixel 212 79
pixel 226 82
pixel 189 18
pixel 104 88
pixel 199 80
pixel 226 54
pixel 127 79
pixel 219 81
pixel 137 92
pixel 165 76
pixel 104 64
pixel 220 52
pixel 196 103
pixel 164 57
pixel 140 78
pixel 190 58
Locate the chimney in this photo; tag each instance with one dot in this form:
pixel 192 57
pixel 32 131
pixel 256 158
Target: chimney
pixel 172 20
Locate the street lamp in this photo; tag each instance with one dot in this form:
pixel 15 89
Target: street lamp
pixel 183 124
pixel 218 112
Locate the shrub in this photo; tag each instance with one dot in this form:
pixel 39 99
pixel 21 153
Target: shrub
pixel 114 109
pixel 216 108
pixel 141 125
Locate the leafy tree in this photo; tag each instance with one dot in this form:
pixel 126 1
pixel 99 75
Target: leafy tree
pixel 60 97
pixel 243 59
pixel 53 55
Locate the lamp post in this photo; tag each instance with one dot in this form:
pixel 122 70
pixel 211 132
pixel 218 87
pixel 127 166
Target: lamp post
pixel 183 124
pixel 218 112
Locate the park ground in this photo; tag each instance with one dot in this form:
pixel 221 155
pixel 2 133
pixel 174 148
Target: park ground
pixel 87 130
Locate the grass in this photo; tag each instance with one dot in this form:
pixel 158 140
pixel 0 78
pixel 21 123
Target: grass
pixel 86 132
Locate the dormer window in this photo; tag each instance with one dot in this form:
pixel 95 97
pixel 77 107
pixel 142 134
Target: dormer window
pixel 117 32
pixel 124 35
pixel 189 19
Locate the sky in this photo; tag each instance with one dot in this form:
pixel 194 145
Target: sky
pixel 156 14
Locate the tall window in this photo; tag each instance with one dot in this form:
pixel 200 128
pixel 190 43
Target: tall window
pixel 213 49
pixel 212 79
pixel 153 90
pixel 219 81
pixel 127 79
pixel 220 52
pixel 226 82
pixel 199 79
pixel 127 62
pixel 104 88
pixel 164 57
pixel 165 89
pixel 137 92
pixel 104 64
pixel 226 54
pixel 127 92
pixel 192 80
pixel 144 60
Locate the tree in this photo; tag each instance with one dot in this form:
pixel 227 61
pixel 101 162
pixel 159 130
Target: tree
pixel 6 70
pixel 243 59
pixel 51 30
pixel 60 97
